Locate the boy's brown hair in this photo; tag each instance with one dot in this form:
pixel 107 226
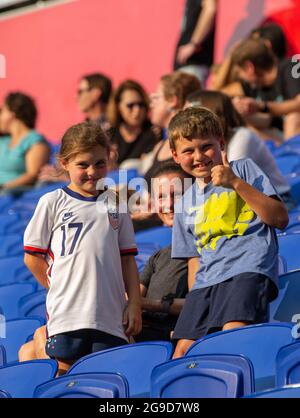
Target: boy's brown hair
pixel 255 51
pixel 194 122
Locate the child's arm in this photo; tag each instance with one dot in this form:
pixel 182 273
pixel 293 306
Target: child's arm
pixel 38 266
pixel 132 318
pixel 271 211
pixel 193 267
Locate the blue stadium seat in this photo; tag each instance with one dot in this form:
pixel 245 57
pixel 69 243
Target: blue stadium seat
pixel 2 356
pixel 12 224
pixel 123 176
pixel 282 266
pixel 89 385
pixel 134 361
pixel 288 365
pixel 259 343
pixel 289 245
pixel 4 395
pixel 33 304
pixel 20 380
pixel 6 202
pixel 288 163
pixel 292 392
pixel 11 246
pixel 294 183
pixel 13 269
pixel 287 303
pixel 207 376
pixel 10 296
pixel 17 333
pixel 161 236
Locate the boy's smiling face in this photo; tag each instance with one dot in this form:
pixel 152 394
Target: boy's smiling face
pixel 198 156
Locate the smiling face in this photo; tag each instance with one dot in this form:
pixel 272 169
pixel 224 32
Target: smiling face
pixel 86 169
pixel 167 190
pixel 197 157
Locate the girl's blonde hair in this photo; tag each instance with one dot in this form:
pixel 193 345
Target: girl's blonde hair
pixel 82 138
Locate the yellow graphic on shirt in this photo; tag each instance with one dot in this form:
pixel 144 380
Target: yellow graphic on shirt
pixel 224 215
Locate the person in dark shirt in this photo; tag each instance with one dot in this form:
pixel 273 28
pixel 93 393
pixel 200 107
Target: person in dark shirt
pixel 195 48
pixel 131 131
pixel 164 281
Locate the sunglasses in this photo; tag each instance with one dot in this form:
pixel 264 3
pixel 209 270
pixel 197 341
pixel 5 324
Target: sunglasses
pixel 132 105
pixel 81 91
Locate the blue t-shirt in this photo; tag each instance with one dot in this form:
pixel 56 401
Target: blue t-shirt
pixel 218 226
pixel 12 160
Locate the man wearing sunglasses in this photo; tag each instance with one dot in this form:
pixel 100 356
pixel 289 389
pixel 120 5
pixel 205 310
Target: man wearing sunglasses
pixel 93 95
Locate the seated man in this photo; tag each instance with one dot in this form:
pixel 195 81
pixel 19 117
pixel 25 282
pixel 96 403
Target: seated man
pixel 260 79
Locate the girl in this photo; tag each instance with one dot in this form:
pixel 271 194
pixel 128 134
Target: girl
pixel 91 247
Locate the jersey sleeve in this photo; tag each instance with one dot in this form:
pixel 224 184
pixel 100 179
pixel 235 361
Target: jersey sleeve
pixel 38 232
pixel 253 175
pixel 127 243
pixel 183 245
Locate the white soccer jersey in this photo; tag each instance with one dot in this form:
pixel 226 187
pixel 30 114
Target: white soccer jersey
pixel 85 240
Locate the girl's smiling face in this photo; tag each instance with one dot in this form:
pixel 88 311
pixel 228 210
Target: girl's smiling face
pixel 86 169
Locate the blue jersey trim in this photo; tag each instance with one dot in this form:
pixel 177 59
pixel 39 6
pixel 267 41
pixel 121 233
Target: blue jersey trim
pixel 79 196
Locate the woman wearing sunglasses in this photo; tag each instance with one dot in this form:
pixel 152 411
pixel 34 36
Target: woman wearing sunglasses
pixel 128 115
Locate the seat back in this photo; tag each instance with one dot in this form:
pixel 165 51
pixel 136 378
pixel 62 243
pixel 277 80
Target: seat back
pixel 20 380
pixel 10 295
pixel 17 333
pixel 259 343
pixel 288 365
pixel 134 361
pixel 288 245
pixel 33 304
pixel 89 385
pixel 207 376
pixel 287 303
pixel 2 356
pixel 292 392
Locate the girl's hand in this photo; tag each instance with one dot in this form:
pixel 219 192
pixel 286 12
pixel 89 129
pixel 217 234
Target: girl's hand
pixel 222 175
pixel 132 319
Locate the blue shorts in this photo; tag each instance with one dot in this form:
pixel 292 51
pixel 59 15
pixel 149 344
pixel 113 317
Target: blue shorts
pixel 76 344
pixel 243 298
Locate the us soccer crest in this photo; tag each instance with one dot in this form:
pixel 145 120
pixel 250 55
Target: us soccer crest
pixel 113 217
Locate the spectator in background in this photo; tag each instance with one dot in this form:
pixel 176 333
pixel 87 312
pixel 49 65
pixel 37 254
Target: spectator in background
pixel 286 86
pixel 263 105
pixel 93 96
pixel 168 99
pixel 240 141
pixel 23 152
pixel 195 48
pixel 131 131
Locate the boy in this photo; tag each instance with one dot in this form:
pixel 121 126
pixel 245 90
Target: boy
pixel 230 231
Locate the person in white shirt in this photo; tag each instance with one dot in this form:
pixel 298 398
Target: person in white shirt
pixel 242 142
pixel 81 246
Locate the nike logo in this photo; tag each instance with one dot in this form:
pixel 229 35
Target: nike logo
pixel 67 216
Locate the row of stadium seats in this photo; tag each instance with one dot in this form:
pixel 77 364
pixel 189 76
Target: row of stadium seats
pixel 213 367
pixel 229 364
